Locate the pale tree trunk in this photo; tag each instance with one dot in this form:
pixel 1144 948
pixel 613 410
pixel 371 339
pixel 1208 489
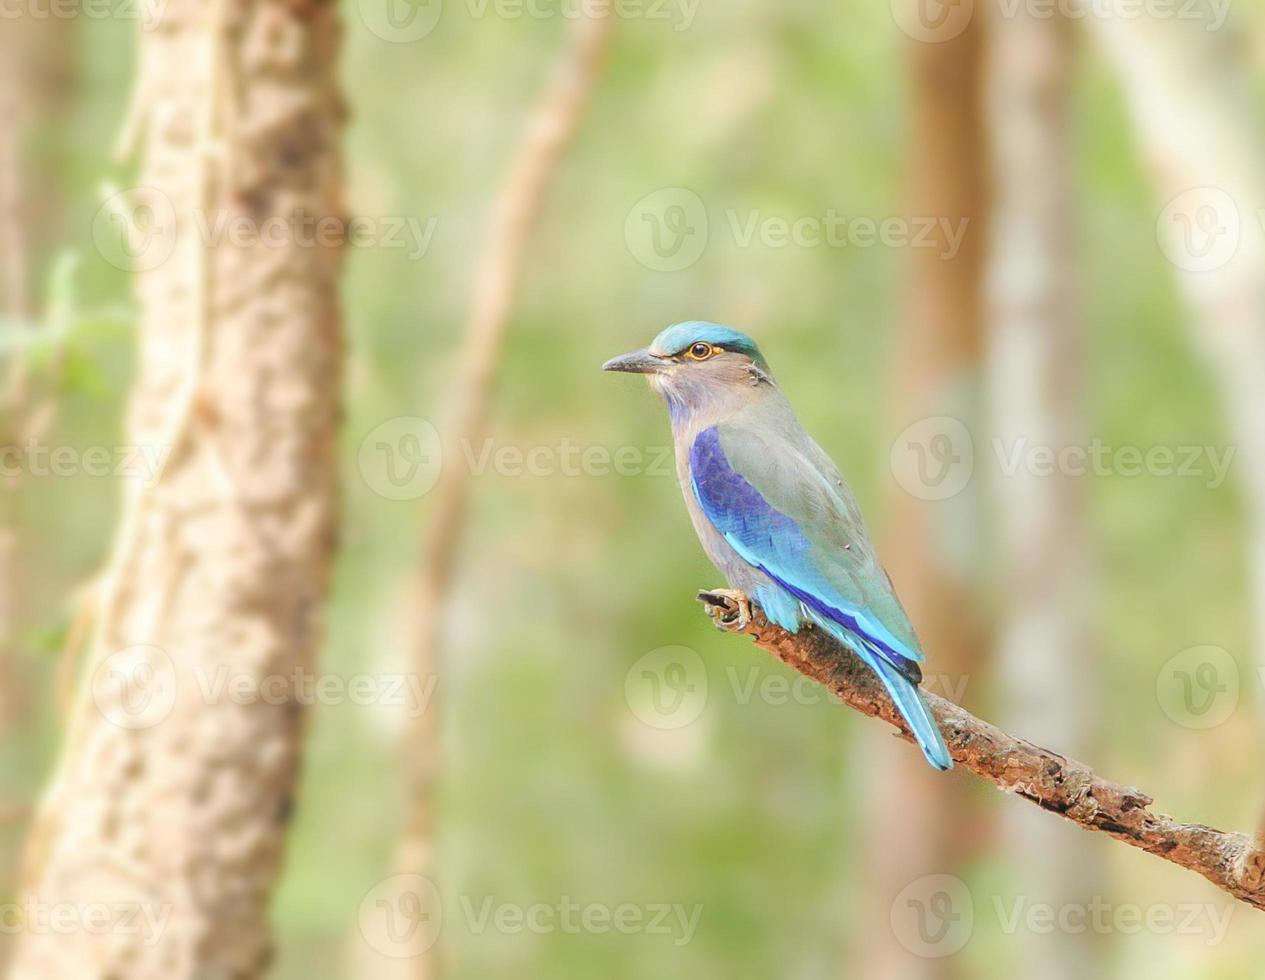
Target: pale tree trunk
pixel 167 814
pixel 1045 665
pixel 1199 127
pixel 920 818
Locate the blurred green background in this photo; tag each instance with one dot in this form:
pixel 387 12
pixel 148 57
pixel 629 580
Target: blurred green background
pixel 552 786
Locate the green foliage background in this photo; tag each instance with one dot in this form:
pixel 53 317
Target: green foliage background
pixel 551 786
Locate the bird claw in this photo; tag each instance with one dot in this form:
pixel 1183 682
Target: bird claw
pixel 730 608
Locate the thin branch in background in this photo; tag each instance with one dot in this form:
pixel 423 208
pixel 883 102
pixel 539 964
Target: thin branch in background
pixel 1041 776
pixel 550 131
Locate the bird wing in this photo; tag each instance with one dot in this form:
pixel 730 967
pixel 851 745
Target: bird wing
pixel 782 506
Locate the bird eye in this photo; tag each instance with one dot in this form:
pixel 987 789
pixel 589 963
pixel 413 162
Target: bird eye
pixel 701 352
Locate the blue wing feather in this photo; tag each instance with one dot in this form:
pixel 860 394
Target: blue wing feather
pixel 813 577
pixel 776 544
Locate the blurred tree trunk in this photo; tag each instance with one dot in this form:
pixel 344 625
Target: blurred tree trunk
pixel 921 819
pixel 36 66
pixel 1198 121
pixel 168 811
pixel 14 311
pixel 1045 664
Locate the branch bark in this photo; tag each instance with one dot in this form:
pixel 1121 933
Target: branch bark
pixel 1044 777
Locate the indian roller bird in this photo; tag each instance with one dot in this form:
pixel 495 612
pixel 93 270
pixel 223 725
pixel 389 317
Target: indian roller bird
pixel 772 511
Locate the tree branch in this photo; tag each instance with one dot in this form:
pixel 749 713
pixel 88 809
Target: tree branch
pixel 1051 781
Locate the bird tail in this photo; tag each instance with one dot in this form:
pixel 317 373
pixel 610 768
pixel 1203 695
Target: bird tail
pixel 915 712
pixel 901 687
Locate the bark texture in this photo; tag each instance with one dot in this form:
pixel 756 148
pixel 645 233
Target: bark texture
pixel 1052 781
pixel 169 807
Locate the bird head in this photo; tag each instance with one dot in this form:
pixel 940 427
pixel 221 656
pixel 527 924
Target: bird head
pixel 698 363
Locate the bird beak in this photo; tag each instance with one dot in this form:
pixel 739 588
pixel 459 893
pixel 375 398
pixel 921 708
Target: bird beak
pixel 636 362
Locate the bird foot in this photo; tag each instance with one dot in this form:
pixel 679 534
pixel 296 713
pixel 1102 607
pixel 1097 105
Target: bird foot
pixel 729 608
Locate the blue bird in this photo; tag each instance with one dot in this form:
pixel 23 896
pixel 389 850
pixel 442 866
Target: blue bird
pixel 773 513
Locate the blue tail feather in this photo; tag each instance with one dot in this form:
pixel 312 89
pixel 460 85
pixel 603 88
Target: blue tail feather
pixel 903 692
pixel 914 710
